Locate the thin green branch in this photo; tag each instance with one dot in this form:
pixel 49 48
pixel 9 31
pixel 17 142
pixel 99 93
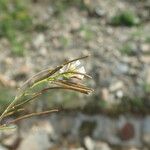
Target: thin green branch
pixel 45 75
pixel 70 87
pixel 74 72
pixel 32 114
pixel 7 109
pixel 75 84
pixel 75 88
pixel 34 97
pixel 12 112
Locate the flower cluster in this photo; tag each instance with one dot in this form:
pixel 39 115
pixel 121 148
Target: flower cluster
pixel 73 70
pixel 50 79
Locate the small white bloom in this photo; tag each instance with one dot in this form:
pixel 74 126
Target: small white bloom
pixel 74 67
pixel 81 70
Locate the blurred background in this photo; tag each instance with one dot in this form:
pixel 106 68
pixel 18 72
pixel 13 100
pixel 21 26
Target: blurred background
pixel 38 34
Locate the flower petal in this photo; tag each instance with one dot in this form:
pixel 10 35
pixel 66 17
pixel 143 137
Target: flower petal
pixel 77 63
pixel 82 70
pixel 74 67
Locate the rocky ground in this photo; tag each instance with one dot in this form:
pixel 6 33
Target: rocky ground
pixel 78 131
pixel 119 62
pixel 119 65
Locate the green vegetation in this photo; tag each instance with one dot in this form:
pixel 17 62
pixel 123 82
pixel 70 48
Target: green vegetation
pixel 5 96
pixel 127 49
pixel 147 88
pixel 137 103
pixel 14 20
pixel 87 128
pixel 17 47
pixel 64 41
pixel 126 18
pixel 86 32
pixel 40 27
pixel 70 100
pixel 138 32
pixel 49 79
pixel 147 39
pixel 61 5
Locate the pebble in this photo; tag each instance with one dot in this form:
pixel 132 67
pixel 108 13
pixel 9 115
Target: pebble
pixel 127 131
pixel 116 86
pixel 145 59
pixel 3 148
pixel 105 95
pixel 38 40
pixel 148 76
pixel 89 143
pixel 146 131
pixel 38 137
pixel 10 137
pixel 119 94
pixel 102 146
pixel 77 148
pixel 95 145
pixel 145 48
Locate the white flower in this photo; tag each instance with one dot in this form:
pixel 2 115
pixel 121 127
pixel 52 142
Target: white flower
pixel 74 67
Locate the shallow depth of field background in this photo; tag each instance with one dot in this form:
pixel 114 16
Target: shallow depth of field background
pixel 38 34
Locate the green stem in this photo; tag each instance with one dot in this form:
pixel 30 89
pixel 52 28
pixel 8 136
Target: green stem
pixel 9 107
pixel 33 114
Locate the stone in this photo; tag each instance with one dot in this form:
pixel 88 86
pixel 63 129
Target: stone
pixel 116 86
pixel 89 143
pixel 43 51
pixel 6 82
pixel 12 141
pixel 38 137
pixel 101 146
pixel 146 131
pixel 145 148
pixel 145 59
pixel 121 68
pixel 63 125
pixel 100 12
pixel 3 148
pixel 95 145
pixel 38 40
pixel 145 48
pixel 127 132
pixel 105 94
pixel 8 61
pixel 24 69
pixel 35 141
pixel 148 76
pixel 133 148
pixel 106 130
pixel 80 148
pixel 10 137
pixel 119 94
